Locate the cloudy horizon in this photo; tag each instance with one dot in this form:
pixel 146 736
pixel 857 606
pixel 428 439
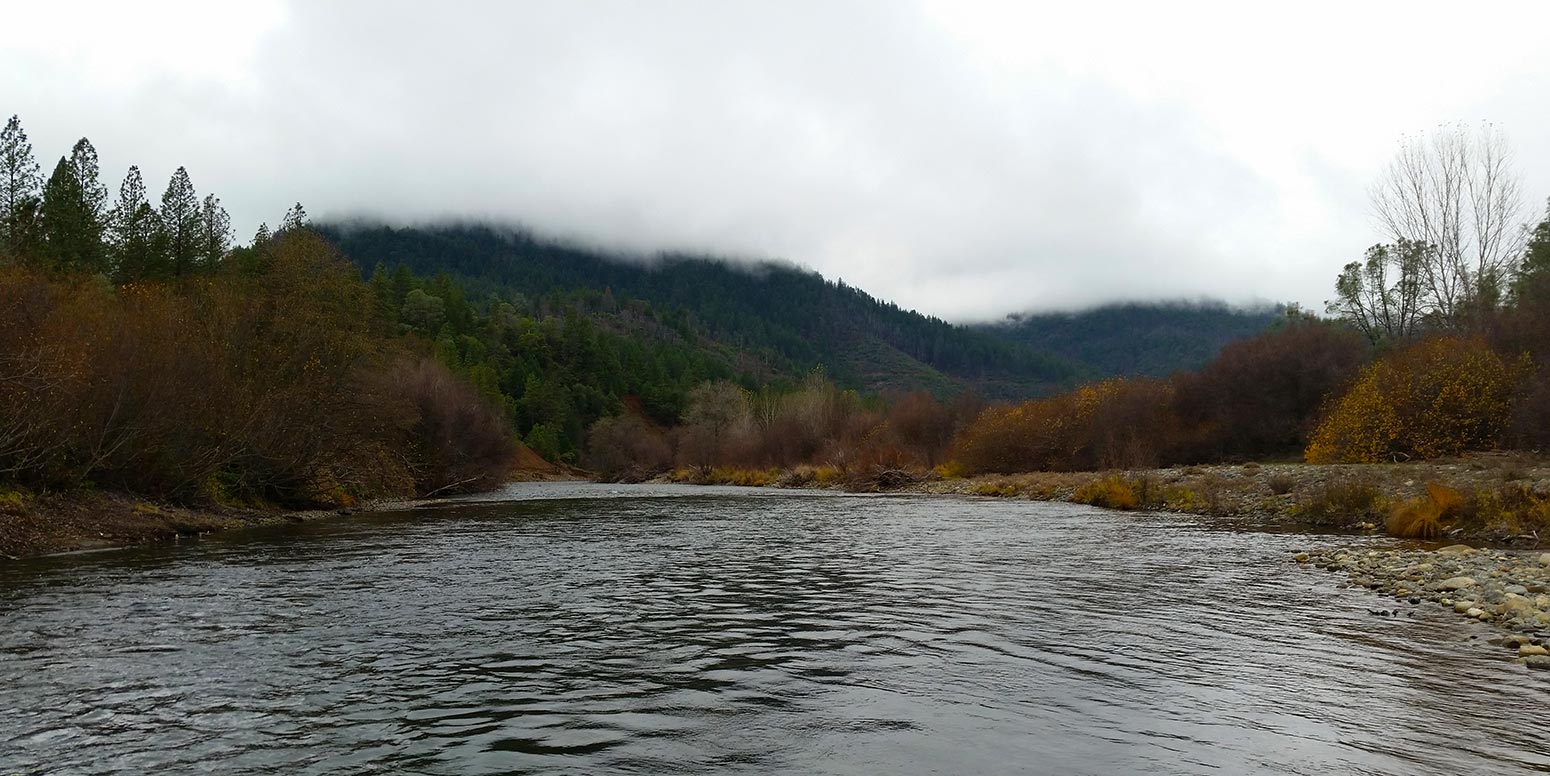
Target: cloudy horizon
pixel 968 160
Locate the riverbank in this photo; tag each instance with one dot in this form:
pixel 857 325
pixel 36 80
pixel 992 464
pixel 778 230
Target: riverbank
pixel 1495 499
pixel 1508 589
pixel 50 523
pixel 81 521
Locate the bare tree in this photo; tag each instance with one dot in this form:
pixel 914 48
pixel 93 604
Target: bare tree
pixel 1455 191
pixel 715 411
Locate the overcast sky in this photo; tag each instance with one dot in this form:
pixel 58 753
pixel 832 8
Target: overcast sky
pixel 965 159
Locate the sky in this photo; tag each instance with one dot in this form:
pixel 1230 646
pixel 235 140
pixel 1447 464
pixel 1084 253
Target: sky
pixel 966 159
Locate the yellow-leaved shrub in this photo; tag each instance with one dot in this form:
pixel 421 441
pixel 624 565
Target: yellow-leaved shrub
pixel 1435 398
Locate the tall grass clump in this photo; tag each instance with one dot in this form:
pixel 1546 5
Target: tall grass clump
pixel 1112 492
pixel 1421 518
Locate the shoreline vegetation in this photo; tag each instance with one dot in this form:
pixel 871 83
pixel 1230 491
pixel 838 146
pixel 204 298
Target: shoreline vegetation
pixel 157 380
pixel 1490 501
pixel 69 522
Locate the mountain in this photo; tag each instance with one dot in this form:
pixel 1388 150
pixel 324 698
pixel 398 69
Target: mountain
pixel 786 319
pixel 1137 339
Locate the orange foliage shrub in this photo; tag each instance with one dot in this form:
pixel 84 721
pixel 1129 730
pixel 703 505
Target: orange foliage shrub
pixel 1112 424
pixel 1439 397
pixel 233 387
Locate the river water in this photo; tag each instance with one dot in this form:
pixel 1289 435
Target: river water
pixel 565 628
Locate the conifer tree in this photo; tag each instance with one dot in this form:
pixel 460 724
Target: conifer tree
pixel 262 235
pixel 20 179
pixel 132 227
pixel 180 223
pixel 295 218
pixel 83 162
pixel 214 231
pixel 71 237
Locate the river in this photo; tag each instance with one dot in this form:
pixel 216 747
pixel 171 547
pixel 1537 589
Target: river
pixel 569 628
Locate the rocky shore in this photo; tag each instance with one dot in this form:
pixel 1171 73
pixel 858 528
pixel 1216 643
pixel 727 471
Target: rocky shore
pixel 1297 497
pixel 1508 589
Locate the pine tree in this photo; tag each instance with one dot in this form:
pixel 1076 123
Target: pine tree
pixel 132 227
pixel 83 162
pixel 262 235
pixel 295 218
pixel 72 239
pixel 20 178
pixel 214 231
pixel 180 223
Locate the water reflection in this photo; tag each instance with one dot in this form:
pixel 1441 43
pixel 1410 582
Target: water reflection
pixel 677 630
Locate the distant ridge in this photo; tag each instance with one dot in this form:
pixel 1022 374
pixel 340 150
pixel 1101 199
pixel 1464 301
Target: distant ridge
pixel 1154 339
pixel 790 320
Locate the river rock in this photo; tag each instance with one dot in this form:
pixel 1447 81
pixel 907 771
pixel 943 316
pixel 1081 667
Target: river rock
pixel 1456 583
pixel 1457 549
pixel 1515 590
pixel 1541 662
pixel 1532 649
pixel 1544 560
pixel 1475 613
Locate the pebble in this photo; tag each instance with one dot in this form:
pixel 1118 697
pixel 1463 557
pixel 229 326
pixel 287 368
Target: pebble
pixel 1541 662
pixel 1510 590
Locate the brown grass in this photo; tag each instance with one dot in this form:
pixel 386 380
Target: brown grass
pixel 1341 501
pixel 1281 484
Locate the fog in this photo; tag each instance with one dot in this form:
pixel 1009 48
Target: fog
pixel 965 159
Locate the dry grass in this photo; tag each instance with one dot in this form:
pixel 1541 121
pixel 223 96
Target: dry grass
pixel 1419 518
pixel 952 470
pixel 748 478
pixel 1112 492
pixel 1347 500
pixel 1000 488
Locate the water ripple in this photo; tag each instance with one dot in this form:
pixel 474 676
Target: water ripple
pixel 586 629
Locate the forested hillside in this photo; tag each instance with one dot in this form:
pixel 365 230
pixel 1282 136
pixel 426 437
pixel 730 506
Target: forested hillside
pixel 1137 339
pixel 775 322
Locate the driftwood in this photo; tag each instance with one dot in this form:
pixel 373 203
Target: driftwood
pixel 474 478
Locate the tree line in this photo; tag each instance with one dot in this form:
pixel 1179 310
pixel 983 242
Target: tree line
pixel 1434 345
pixel 141 351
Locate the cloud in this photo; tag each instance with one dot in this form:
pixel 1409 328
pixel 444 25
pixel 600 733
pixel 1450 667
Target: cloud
pixel 965 159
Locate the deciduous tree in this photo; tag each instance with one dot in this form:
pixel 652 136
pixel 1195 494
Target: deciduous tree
pixel 1382 294
pixel 1456 192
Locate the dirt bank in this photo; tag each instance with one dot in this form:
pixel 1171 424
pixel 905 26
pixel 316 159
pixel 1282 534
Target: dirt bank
pixel 42 524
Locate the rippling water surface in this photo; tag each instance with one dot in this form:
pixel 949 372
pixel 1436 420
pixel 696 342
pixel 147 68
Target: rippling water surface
pixel 589 629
